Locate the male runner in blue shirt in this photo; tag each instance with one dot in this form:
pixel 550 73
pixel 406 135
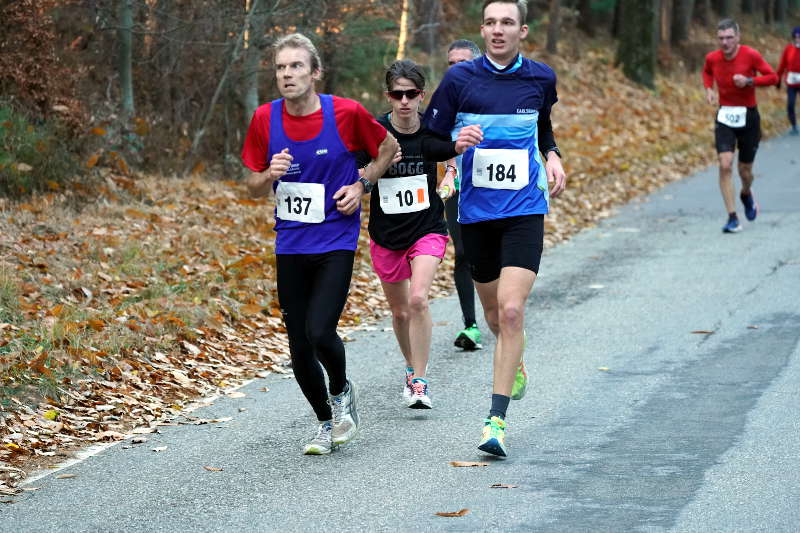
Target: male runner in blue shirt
pixel 504 185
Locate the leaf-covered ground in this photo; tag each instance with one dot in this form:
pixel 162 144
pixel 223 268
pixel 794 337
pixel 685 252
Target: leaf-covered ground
pixel 119 314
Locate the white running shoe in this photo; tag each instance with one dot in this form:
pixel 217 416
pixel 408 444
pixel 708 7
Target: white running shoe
pixel 419 394
pixel 345 417
pixel 407 392
pixel 322 443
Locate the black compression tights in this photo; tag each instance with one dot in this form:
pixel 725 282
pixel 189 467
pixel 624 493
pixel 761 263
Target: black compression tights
pixel 461 272
pixel 312 291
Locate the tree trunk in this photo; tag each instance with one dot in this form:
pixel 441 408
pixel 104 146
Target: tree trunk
pixel 781 11
pixel 234 57
pixel 638 40
pixel 430 13
pixel 703 12
pixel 254 44
pixel 586 19
pixel 769 11
pixel 554 26
pixel 402 40
pixel 664 24
pixel 748 6
pixel 125 65
pixel 681 20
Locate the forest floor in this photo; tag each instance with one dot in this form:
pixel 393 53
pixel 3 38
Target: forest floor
pixel 117 315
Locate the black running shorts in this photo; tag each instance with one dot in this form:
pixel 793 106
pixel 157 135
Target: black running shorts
pixel 747 138
pixel 493 244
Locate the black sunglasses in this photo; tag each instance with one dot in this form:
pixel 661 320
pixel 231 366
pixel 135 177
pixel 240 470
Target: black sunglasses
pixel 408 93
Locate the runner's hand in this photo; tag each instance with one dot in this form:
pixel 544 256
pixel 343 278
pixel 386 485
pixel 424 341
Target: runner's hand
pixel 280 164
pixel 740 80
pixel 468 137
pixel 556 177
pixel 397 156
pixel 711 96
pixel 447 188
pixel 348 198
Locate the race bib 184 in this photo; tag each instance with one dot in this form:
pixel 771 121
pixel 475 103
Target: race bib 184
pixel 404 195
pixel 500 168
pixel 301 202
pixel 732 116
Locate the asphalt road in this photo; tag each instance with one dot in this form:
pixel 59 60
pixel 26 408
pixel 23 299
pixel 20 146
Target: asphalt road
pixel 633 422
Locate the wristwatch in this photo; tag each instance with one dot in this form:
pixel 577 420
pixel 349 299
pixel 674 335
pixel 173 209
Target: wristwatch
pixel 368 185
pixel 553 149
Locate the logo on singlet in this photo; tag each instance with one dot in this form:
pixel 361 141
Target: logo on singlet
pixel 525 110
pixel 322 151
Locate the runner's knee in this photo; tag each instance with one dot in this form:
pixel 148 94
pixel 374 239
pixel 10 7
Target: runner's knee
pixel 511 315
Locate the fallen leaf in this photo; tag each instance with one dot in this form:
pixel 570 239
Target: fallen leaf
pixel 236 394
pixel 467 463
pixel 51 414
pixel 191 348
pixel 139 440
pixel 213 468
pixel 462 512
pixel 23 167
pixel 502 486
pixel 113 435
pixel 264 389
pixel 220 420
pixel 603 368
pixel 702 332
pixel 752 327
pixel 66 476
pixel 160 449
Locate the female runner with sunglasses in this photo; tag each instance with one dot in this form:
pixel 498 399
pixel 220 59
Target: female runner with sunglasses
pixel 408 234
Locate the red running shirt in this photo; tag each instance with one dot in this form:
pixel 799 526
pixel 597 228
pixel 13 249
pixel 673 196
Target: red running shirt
pixel 747 62
pixel 357 128
pixel 790 62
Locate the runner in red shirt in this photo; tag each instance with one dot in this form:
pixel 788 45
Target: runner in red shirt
pixel 734 68
pixel 301 147
pixel 789 69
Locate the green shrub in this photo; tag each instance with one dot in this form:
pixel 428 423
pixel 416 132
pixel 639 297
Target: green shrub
pixel 34 156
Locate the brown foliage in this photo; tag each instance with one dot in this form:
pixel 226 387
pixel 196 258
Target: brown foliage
pixel 30 68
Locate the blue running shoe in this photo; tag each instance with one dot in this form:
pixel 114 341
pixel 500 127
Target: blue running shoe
pixel 750 205
pixel 732 226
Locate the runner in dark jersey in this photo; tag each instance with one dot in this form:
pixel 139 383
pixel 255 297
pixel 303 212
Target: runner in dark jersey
pixel 789 71
pixel 505 187
pixel 302 147
pixel 406 225
pixel 734 69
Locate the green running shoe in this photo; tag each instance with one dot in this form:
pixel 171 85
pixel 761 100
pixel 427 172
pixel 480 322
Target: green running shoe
pixel 493 438
pixel 520 386
pixel 469 338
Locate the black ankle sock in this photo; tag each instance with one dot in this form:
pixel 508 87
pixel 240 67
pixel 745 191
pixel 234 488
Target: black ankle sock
pixel 499 406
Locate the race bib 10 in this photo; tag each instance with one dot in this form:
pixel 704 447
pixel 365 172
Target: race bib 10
pixel 301 202
pixel 500 168
pixel 732 116
pixel 404 195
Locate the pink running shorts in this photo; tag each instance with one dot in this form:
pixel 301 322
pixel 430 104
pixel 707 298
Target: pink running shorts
pixel 395 265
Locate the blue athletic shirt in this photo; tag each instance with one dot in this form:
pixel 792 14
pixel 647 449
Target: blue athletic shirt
pixel 322 160
pixel 506 104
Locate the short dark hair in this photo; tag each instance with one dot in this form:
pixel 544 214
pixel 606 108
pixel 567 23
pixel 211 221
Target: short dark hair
pixel 405 68
pixel 464 44
pixel 728 24
pixel 522 7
